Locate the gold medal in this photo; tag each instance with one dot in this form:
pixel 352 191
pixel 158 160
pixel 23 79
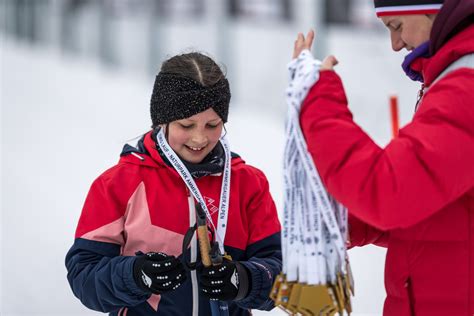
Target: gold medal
pixel 347 294
pixel 292 305
pixel 350 278
pixel 284 293
pixel 276 285
pixel 317 300
pixel 339 291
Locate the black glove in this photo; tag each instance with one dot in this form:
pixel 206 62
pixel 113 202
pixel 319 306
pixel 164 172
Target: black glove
pixel 228 281
pixel 157 272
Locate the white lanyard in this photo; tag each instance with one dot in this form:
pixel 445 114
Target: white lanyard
pixel 320 192
pixel 315 225
pixel 291 237
pixel 193 188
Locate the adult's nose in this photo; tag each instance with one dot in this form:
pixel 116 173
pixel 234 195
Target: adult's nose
pixel 397 42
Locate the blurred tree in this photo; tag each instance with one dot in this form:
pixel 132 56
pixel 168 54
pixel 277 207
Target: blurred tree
pixel 338 11
pixel 261 9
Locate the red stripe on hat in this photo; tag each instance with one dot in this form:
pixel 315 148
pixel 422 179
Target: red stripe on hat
pixel 407 12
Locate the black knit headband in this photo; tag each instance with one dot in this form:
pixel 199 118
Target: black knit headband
pixel 175 97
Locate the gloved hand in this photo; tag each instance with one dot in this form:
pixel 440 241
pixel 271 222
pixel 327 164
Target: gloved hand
pixel 228 281
pixel 157 272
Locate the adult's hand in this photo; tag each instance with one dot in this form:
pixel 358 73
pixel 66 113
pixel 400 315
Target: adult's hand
pixel 329 62
pixel 302 43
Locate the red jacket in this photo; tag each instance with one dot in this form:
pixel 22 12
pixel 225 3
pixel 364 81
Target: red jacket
pixel 142 204
pixel 419 189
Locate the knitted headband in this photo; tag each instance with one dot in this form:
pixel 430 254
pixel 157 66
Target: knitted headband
pixel 403 7
pixel 175 97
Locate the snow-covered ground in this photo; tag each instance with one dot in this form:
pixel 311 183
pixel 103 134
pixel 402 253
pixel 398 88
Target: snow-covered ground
pixel 64 121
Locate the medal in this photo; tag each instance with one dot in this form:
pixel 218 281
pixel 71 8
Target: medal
pixel 316 278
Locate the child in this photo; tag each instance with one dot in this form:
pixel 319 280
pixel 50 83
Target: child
pixel 127 255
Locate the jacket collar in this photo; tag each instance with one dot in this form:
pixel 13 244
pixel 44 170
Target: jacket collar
pixel 146 153
pixel 411 68
pixel 427 68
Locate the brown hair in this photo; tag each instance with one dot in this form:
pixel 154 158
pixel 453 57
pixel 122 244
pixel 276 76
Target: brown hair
pixel 196 66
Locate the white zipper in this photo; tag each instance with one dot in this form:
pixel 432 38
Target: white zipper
pixel 192 222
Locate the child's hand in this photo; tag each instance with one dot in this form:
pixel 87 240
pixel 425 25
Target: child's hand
pixel 157 272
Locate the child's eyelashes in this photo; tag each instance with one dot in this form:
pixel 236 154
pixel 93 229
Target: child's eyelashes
pixel 186 126
pixel 190 126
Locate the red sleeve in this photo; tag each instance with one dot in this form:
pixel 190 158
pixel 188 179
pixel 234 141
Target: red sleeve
pixel 428 166
pixel 361 234
pixel 261 211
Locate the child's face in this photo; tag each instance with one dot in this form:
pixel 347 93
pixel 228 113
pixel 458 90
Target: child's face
pixel 194 137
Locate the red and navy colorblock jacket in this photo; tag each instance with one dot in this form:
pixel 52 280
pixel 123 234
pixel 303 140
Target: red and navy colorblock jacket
pixel 143 205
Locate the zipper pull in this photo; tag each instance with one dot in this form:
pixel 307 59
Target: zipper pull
pixel 421 92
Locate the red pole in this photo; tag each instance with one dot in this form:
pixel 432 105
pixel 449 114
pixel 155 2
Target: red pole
pixel 394 115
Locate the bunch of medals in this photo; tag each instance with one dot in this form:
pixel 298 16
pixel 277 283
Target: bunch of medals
pixel 316 277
